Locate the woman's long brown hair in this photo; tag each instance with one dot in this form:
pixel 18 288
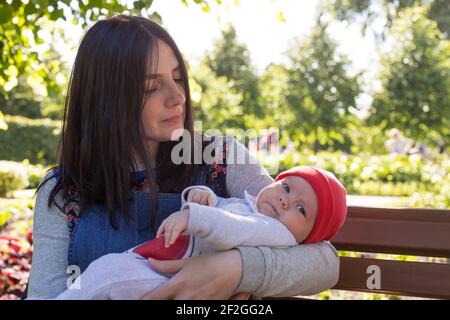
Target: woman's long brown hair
pixel 102 129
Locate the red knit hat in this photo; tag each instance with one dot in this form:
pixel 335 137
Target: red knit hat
pixel 331 200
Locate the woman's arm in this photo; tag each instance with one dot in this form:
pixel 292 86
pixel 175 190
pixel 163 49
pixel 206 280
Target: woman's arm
pixel 300 270
pixel 51 238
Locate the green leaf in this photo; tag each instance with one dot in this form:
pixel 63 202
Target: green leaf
pixel 280 17
pixel 5 13
pixel 3 124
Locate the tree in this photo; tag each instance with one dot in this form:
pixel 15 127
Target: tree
pixel 320 92
pixel 369 11
pixel 22 25
pixel 215 103
pixel 415 95
pixel 231 59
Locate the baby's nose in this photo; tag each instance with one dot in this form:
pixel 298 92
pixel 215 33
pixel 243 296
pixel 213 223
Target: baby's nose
pixel 284 202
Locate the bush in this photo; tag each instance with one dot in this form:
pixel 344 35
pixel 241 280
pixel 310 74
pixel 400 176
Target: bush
pixel 15 265
pixel 13 176
pixel 376 175
pixel 32 139
pixel 19 175
pixel 15 246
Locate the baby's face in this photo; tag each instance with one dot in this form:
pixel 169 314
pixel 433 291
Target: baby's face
pixel 293 202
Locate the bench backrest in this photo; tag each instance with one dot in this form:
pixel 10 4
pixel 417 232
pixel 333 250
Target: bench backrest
pixel 401 231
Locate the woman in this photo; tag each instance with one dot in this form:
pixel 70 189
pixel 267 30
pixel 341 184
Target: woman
pixel 116 180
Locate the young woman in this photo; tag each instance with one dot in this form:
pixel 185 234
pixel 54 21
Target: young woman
pixel 116 180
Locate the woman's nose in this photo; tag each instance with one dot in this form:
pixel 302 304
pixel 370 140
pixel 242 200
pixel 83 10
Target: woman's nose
pixel 176 97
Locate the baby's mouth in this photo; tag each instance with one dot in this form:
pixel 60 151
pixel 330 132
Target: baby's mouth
pixel 274 211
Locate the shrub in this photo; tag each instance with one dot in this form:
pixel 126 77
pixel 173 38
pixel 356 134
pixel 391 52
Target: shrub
pixel 13 176
pixel 15 265
pixel 19 175
pixel 375 175
pixel 32 139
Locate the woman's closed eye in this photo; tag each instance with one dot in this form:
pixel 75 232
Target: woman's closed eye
pixel 153 88
pixel 158 86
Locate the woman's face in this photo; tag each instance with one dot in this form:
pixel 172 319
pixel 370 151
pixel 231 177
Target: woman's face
pixel 164 108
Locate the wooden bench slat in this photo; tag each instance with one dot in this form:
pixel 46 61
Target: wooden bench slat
pixel 422 232
pixel 418 279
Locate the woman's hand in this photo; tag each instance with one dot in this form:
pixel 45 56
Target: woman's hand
pixel 211 276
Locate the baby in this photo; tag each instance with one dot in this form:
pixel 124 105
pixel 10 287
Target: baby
pixel 303 205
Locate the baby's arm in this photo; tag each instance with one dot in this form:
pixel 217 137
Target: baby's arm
pixel 199 194
pixel 173 226
pixel 177 222
pixel 224 230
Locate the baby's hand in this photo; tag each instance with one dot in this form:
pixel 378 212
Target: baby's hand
pixel 200 196
pixel 173 226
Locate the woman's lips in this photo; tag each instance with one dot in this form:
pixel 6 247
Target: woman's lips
pixel 176 119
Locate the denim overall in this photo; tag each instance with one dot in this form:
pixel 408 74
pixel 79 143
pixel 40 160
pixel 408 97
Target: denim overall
pixel 93 236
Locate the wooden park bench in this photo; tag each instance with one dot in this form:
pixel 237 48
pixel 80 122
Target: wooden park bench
pixel 400 231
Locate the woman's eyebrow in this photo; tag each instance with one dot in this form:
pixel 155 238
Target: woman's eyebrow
pixel 158 75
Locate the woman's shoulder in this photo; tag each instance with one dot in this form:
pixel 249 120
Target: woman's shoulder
pixel 46 186
pixel 49 181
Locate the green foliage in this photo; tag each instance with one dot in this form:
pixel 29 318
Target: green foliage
pixel 19 175
pixel 3 124
pixel 21 101
pixel 415 78
pixel 217 104
pixel 320 92
pixel 368 11
pixel 32 139
pixel 384 175
pixel 5 215
pixel 231 59
pixel 25 26
pixel 12 177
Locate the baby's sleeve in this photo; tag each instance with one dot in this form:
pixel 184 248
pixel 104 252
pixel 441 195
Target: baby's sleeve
pixel 204 188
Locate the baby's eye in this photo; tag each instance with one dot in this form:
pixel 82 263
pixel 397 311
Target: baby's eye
pixel 301 209
pixel 285 187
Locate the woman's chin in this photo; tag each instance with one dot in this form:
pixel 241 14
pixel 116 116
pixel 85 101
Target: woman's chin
pixel 175 134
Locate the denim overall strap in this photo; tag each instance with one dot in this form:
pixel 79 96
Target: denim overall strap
pixel 93 236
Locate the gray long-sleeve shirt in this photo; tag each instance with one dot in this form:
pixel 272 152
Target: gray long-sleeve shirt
pixel 298 270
